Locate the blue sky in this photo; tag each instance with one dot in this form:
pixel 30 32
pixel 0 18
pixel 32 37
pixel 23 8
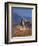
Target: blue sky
pixel 21 12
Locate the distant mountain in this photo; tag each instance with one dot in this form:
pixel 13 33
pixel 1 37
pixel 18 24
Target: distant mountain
pixel 17 18
pixel 27 18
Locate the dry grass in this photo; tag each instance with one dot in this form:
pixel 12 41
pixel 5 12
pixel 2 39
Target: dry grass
pixel 23 32
pixel 19 31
